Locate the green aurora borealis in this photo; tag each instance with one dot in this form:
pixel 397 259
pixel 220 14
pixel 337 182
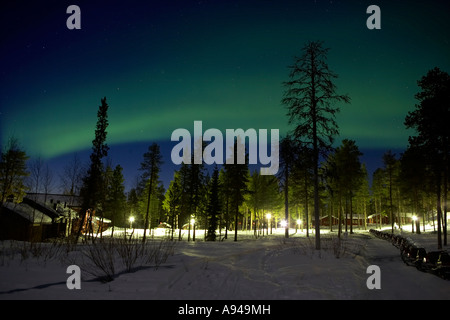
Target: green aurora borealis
pixel 164 64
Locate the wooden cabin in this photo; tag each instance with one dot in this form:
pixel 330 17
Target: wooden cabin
pixel 24 222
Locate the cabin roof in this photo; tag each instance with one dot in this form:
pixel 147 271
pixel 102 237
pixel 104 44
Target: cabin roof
pixel 28 212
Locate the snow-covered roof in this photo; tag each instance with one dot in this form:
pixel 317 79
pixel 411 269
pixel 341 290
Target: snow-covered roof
pixel 28 212
pixel 104 219
pixel 52 198
pixel 355 216
pixel 386 214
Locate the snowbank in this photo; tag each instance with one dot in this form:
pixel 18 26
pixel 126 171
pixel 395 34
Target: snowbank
pixel 267 268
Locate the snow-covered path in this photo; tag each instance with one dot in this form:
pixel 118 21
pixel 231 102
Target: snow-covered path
pixel 399 281
pixel 268 268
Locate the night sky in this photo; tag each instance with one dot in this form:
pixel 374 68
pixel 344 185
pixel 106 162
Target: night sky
pixel 164 64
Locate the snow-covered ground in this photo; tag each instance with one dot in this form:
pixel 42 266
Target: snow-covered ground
pixel 268 267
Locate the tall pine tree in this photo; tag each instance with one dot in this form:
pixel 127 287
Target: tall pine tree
pixel 288 153
pixel 430 121
pixel 213 209
pixel 391 170
pixel 310 98
pixel 116 198
pixel 151 167
pixel 172 201
pixel 92 191
pixel 349 172
pixel 236 176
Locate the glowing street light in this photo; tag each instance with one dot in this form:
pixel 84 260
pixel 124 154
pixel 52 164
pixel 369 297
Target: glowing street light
pixel 269 216
pixel 131 219
pixel 414 219
pixel 191 223
pixel 283 223
pixel 299 223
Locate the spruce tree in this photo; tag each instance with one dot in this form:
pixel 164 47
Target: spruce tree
pixel 93 188
pixel 151 167
pixel 302 181
pixel 414 180
pixel 391 170
pixel 194 189
pixel 13 171
pixel 430 121
pixel 236 176
pixel 349 173
pixel 288 154
pixel 213 210
pixel 116 198
pixel 363 193
pixel 172 200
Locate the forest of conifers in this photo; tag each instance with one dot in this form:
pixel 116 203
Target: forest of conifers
pixel 316 179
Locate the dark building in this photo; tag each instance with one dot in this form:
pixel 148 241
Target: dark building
pixel 28 221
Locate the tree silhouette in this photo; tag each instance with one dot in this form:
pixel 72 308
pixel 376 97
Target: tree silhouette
pixel 310 98
pixel 213 210
pixel 414 179
pixel 391 166
pixel 302 181
pixel 379 193
pixel 194 189
pixel 13 171
pixel 430 120
pixel 236 177
pixel 362 194
pixel 350 171
pixel 151 167
pixel 115 198
pixel 172 200
pixel 93 189
pixel 288 153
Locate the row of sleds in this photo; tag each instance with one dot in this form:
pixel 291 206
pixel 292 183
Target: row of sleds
pixel 435 262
